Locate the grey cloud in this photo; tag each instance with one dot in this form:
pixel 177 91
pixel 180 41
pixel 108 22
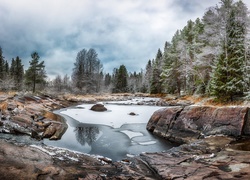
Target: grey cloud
pixel 122 31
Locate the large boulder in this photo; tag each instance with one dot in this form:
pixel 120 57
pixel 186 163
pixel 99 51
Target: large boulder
pixel 184 125
pixel 98 107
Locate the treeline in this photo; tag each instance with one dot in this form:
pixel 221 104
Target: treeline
pixel 13 77
pixel 208 56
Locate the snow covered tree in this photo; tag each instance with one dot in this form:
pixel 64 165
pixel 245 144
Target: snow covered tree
pixel 87 70
pixel 146 78
pixel 228 79
pixel 172 70
pixel 58 83
pixel 155 82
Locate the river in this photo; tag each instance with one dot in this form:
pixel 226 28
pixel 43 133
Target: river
pixel 114 134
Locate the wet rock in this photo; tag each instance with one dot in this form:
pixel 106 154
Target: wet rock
pixel 98 107
pixel 184 125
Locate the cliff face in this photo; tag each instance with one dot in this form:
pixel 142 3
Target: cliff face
pixel 186 124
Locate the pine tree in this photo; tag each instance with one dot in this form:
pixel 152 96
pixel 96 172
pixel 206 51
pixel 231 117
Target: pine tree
pixel 35 74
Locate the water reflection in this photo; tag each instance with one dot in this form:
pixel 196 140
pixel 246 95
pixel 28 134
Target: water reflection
pixel 86 134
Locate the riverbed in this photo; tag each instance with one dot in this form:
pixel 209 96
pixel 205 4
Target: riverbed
pixel 114 134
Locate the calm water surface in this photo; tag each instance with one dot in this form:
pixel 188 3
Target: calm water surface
pixel 114 134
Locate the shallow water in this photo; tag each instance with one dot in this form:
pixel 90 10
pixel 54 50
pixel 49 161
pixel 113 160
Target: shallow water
pixel 114 134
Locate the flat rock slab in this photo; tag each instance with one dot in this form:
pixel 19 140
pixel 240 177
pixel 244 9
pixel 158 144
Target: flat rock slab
pixel 202 159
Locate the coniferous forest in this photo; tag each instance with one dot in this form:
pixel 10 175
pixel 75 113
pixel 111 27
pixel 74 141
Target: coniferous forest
pixel 209 56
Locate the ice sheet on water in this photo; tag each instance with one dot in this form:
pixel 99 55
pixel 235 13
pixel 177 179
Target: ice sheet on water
pixel 116 116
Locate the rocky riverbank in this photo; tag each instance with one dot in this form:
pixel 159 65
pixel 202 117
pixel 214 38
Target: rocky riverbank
pixel 214 142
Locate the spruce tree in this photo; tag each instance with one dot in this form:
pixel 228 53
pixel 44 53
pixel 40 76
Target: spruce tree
pixel 156 83
pixel 228 77
pixel 17 72
pixel 120 79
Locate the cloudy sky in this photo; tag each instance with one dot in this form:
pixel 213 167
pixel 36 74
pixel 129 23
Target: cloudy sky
pixel 125 32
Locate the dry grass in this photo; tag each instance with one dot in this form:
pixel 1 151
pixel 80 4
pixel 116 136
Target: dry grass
pixel 209 101
pixel 194 99
pixel 213 102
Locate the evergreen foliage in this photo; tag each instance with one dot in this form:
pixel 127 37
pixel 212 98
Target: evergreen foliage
pixel 17 73
pixel 2 64
pixel 208 56
pixel 35 74
pixel 156 83
pixel 228 79
pixel 120 80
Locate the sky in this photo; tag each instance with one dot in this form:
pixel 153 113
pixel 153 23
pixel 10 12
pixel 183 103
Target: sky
pixel 123 32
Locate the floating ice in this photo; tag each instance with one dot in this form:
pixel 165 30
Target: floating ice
pixel 132 134
pixel 147 143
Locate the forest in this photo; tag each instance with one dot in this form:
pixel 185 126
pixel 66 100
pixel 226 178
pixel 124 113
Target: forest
pixel 208 56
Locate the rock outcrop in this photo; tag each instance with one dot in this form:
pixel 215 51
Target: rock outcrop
pixel 209 150
pixel 31 115
pixel 20 161
pixel 210 158
pixel 183 125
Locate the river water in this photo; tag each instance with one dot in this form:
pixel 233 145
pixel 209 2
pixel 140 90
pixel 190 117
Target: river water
pixel 114 134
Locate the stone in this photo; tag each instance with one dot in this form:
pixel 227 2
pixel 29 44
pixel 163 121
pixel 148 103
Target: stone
pixel 98 108
pixel 132 114
pixel 50 131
